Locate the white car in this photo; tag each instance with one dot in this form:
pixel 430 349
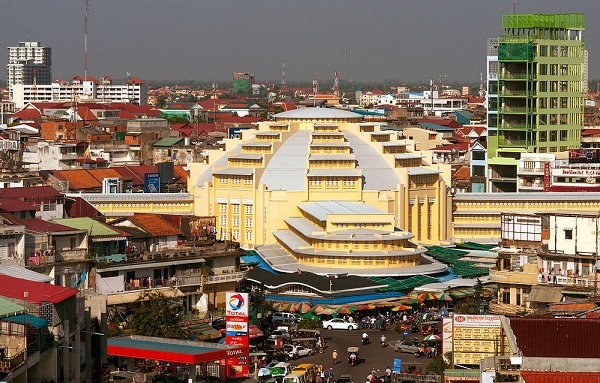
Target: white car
pixel 339 324
pixel 295 352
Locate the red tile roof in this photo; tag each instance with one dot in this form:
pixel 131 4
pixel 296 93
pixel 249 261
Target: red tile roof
pixel 27 114
pixel 546 338
pixel 560 377
pixel 155 225
pixel 86 114
pixel 229 118
pixel 101 174
pixel 37 292
pixel 79 179
pixel 136 80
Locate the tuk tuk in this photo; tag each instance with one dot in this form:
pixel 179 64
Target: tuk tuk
pixel 430 327
pixel 353 355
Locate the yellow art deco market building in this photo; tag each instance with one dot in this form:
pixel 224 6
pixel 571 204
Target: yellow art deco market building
pixel 319 190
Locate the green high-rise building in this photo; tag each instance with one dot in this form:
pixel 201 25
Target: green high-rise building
pixel 536 97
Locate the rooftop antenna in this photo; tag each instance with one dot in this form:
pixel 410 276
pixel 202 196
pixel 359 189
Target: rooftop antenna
pixel 315 85
pixel 514 6
pixel 85 52
pixel 350 62
pixel 283 74
pixel 336 84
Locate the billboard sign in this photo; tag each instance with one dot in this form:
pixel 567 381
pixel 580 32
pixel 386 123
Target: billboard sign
pixel 236 327
pixel 236 305
pixel 151 183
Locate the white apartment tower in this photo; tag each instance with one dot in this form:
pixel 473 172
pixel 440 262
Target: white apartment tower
pixel 29 63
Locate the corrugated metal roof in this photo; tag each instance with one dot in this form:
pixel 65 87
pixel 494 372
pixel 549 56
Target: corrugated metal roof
pixel 8 308
pixel 332 157
pixel 23 273
pixel 560 377
pixel 317 113
pixel 246 156
pixel 527 196
pixel 320 210
pixel 168 142
pixel 30 320
pixel 548 338
pixel 413 171
pixel 37 292
pixel 407 156
pixel 151 265
pixel 235 171
pixel 93 227
pixel 287 168
pixel 333 173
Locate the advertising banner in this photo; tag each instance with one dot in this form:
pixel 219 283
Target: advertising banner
pixel 236 327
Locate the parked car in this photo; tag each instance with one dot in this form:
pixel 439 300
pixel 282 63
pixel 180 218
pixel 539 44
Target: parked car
pixel 281 333
pixel 279 317
pixel 408 346
pixel 344 378
pixel 339 324
pixel 298 351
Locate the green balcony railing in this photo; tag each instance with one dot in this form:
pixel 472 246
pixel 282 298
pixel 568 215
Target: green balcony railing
pixel 514 76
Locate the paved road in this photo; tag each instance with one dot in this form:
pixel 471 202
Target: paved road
pixel 372 356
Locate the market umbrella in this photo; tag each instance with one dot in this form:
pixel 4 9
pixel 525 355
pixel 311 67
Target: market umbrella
pixel 264 372
pixel 362 307
pixel 309 315
pixel 344 310
pixel 328 311
pixel 318 309
pixel 426 297
pixel 301 308
pixel 277 306
pixel 277 371
pixel 444 297
pixel 286 307
pixel 400 308
pixel 432 338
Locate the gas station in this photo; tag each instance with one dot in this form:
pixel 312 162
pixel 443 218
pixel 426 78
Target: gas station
pixel 197 358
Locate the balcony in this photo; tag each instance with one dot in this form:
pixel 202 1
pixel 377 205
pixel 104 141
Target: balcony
pixel 573 280
pixel 535 170
pixel 227 277
pixel 513 110
pixel 514 76
pixel 516 277
pixel 507 126
pixel 511 142
pixel 513 93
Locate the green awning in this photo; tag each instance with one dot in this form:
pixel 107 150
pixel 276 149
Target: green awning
pixel 28 319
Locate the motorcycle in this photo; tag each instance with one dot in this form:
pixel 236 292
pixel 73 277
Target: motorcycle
pixel 365 340
pixel 414 328
pixel 382 339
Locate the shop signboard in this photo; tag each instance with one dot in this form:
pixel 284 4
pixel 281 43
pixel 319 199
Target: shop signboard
pixel 236 327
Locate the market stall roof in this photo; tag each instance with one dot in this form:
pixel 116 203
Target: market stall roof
pixel 172 350
pixel 27 319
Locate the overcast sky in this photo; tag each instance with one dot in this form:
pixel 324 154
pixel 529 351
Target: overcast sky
pixel 208 40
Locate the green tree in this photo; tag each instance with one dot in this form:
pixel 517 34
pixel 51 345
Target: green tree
pixel 437 365
pixel 178 120
pixel 161 102
pixel 157 315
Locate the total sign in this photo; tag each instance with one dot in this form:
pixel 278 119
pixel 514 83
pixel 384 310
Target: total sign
pixel 237 304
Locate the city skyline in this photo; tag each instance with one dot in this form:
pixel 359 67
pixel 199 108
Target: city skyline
pixel 186 40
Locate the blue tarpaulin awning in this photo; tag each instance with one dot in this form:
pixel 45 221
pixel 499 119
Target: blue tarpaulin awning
pixel 31 320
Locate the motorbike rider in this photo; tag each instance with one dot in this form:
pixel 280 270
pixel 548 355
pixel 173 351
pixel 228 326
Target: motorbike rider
pixel 382 339
pixel 353 359
pixel 365 338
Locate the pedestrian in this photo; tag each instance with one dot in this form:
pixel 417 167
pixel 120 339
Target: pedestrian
pixel 330 375
pixel 388 374
pixel 335 356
